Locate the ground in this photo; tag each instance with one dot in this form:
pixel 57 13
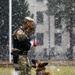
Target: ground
pixel 54 70
pixel 54 67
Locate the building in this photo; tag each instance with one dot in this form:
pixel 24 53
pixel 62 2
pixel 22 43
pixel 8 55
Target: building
pixel 50 37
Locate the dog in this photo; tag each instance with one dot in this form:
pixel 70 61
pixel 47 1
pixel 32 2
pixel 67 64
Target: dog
pixel 46 73
pixel 40 67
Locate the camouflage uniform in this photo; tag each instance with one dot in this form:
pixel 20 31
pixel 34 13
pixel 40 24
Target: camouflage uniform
pixel 21 46
pixel 25 66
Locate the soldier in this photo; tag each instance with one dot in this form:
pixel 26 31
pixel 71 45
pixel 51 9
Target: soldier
pixel 21 46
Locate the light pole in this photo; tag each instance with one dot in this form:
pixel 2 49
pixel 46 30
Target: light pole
pixel 49 35
pixel 10 30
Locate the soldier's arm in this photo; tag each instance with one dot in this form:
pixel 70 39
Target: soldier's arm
pixel 20 35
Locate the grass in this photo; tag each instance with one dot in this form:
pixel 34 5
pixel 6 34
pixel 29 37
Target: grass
pixel 5 71
pixel 54 70
pixel 59 70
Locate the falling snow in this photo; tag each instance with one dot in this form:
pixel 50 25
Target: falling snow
pixel 63 30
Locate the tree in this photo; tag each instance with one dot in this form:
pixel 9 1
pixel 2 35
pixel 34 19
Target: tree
pixel 19 12
pixel 4 22
pixel 54 7
pixel 69 12
pixel 4 28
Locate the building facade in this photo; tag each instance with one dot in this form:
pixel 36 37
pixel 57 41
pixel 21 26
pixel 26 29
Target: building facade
pixel 53 40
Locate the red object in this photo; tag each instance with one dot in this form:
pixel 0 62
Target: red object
pixel 34 43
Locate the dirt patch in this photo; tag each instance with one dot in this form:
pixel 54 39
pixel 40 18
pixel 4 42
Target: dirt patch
pixel 65 63
pixel 60 62
pixel 50 62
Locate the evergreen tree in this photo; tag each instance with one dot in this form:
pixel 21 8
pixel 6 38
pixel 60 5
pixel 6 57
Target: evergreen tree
pixel 52 6
pixel 4 28
pixel 69 12
pixel 4 22
pixel 19 12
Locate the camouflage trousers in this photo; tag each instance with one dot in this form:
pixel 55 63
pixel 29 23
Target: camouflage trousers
pixel 24 65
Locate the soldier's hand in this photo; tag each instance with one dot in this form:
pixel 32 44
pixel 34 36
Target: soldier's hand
pixel 32 26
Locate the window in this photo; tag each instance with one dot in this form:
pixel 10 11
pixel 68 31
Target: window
pixel 39 17
pixel 39 0
pixel 40 37
pixel 57 38
pixel 45 52
pixel 73 39
pixel 57 21
pixel 74 20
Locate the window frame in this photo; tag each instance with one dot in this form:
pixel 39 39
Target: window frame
pixel 73 40
pixel 57 19
pixel 58 39
pixel 40 39
pixel 40 19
